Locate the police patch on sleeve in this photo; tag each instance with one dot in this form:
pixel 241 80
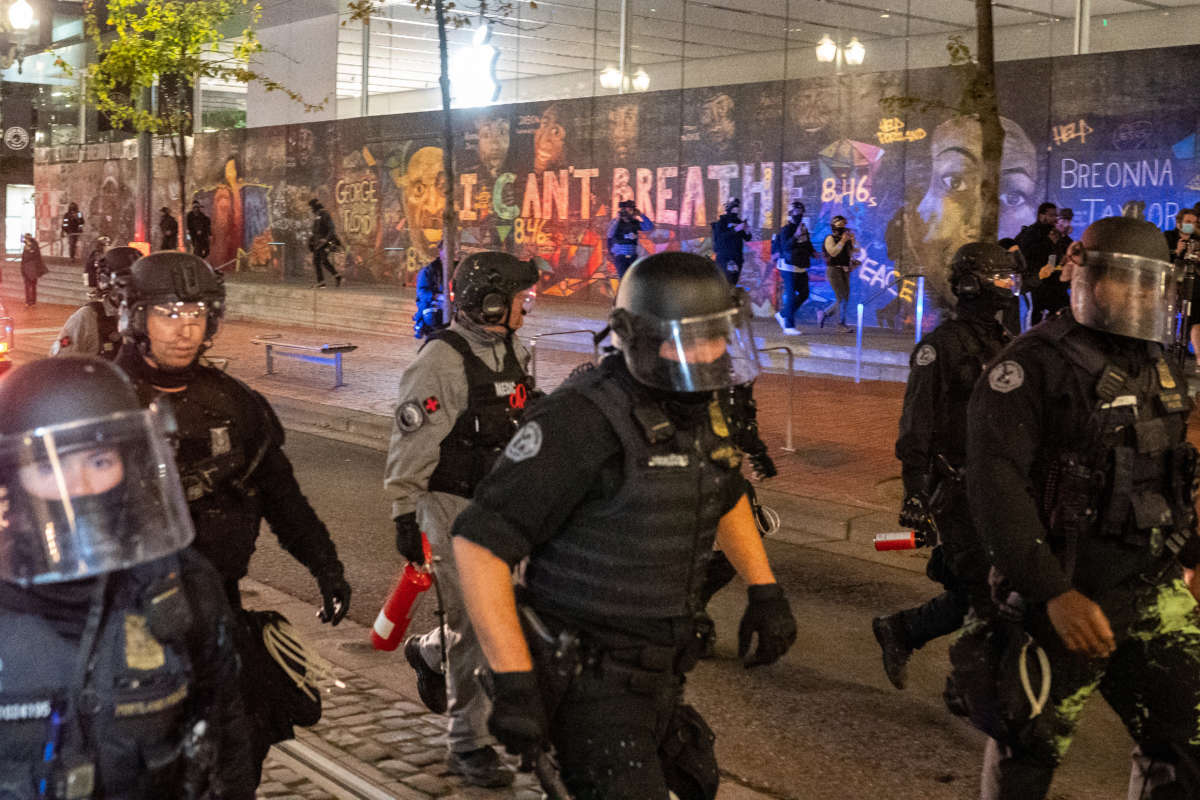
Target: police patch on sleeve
pixel 410 416
pixel 1006 376
pixel 526 443
pixel 926 355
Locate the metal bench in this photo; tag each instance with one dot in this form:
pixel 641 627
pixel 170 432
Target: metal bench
pixel 315 353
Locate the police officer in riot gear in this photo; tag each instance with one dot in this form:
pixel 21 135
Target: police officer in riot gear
pixel 117 673
pixel 616 487
pixel 932 448
pixel 730 233
pixel 229 441
pixel 459 403
pixel 92 330
pixel 1080 481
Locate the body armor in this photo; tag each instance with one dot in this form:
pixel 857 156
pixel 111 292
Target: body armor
pixel 624 240
pixel 1120 500
pixel 642 552
pixel 972 351
pixel 106 328
pixel 495 402
pixel 126 725
pixel 223 434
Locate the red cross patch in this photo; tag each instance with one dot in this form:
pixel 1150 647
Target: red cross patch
pixel 65 341
pixel 431 404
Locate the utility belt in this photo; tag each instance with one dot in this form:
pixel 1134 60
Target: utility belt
pixel 561 653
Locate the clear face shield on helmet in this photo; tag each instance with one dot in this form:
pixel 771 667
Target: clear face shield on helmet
pixel 1124 294
pixel 85 498
pixel 694 354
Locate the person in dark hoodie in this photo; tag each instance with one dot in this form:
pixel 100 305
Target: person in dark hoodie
pixel 730 233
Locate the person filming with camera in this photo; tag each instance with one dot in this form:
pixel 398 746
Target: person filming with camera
pixel 1184 244
pixel 839 248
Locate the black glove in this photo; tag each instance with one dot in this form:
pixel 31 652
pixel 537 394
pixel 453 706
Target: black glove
pixel 769 615
pixel 335 595
pixel 762 466
pixel 518 719
pixel 914 515
pixel 408 538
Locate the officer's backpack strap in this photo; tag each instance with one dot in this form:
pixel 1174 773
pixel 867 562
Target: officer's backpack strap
pixel 477 371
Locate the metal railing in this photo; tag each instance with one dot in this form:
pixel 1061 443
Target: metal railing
pixel 533 347
pixel 788 443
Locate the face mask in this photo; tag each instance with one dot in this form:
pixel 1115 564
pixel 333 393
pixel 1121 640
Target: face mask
pixel 1187 228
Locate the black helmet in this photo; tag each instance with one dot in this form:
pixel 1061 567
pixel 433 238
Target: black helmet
pixel 169 277
pixel 484 284
pixel 86 473
pixel 680 327
pixel 981 270
pixel 1124 282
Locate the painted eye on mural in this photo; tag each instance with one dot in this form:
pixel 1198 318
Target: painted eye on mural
pixel 1013 199
pixel 954 182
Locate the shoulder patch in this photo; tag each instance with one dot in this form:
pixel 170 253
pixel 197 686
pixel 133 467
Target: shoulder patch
pixel 525 443
pixel 410 416
pixel 1006 376
pixel 926 355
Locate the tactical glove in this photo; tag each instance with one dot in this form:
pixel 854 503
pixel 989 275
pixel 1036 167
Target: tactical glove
pixel 518 719
pixel 914 515
pixel 769 615
pixel 762 466
pixel 408 538
pixel 335 595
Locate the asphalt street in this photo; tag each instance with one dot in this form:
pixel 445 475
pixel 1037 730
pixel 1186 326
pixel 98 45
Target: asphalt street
pixel 822 723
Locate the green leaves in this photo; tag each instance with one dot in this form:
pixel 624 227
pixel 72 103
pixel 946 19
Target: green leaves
pixel 170 42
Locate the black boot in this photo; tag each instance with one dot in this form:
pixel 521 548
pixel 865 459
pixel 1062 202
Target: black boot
pixel 892 635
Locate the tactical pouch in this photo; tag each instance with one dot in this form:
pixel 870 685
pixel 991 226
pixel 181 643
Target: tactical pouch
pixel 274 702
pixel 985 684
pixel 686 752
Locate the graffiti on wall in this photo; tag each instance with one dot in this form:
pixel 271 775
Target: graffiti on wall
pixel 544 178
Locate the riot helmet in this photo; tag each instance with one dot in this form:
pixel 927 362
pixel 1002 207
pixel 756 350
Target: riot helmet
pixel 115 266
pixel 484 285
pixel 680 327
pixel 983 273
pixel 88 483
pixel 1124 282
pixel 163 283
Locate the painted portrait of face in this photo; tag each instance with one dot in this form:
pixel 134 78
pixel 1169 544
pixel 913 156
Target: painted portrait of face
pixel 424 186
pixel 623 129
pixel 549 141
pixel 811 106
pixel 494 139
pixel 948 214
pixel 716 118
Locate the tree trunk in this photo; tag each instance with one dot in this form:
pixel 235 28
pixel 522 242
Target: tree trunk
pixel 450 215
pixel 989 120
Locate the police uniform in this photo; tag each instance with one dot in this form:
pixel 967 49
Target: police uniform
pixel 931 447
pixel 158 666
pixel 614 491
pixel 88 332
pixel 458 405
pixel 1079 476
pixel 234 471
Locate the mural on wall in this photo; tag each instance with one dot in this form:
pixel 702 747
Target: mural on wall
pixel 544 178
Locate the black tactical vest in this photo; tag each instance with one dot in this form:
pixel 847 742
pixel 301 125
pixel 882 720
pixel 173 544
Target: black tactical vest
pixel 106 327
pixel 132 710
pixel 970 351
pixel 1119 498
pixel 641 553
pixel 495 402
pixel 223 434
